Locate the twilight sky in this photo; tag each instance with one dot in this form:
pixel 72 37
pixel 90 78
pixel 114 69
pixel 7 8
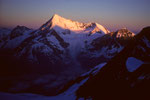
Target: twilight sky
pixel 112 14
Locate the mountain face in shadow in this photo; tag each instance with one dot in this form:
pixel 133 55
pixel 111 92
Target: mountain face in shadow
pixel 44 60
pixel 125 76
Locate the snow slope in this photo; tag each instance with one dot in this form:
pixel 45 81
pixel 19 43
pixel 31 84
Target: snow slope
pixel 69 94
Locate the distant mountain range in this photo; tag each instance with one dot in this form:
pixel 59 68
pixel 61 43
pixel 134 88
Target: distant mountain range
pixel 43 61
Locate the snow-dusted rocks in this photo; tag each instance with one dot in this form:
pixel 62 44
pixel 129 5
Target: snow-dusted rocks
pixel 123 33
pixel 105 47
pixel 15 37
pixel 18 31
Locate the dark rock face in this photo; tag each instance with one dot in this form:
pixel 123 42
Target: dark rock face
pixel 4 34
pixel 114 81
pixel 18 31
pixel 67 31
pixel 61 41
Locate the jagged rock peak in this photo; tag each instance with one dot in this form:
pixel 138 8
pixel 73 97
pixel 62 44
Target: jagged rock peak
pixel 124 32
pixel 18 31
pixel 21 27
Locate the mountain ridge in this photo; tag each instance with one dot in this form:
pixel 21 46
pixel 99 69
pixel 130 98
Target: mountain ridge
pixel 75 26
pixel 54 51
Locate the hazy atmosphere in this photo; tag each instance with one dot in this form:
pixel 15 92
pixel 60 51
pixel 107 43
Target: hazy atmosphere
pixel 74 49
pixel 113 14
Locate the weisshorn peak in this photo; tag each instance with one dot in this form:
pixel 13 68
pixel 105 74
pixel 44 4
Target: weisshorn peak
pixel 74 26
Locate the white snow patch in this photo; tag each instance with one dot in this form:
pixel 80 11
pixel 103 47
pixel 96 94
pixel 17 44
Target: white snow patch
pixel 132 64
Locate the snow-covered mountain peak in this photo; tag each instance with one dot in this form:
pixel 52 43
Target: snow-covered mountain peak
pixel 56 15
pixel 59 23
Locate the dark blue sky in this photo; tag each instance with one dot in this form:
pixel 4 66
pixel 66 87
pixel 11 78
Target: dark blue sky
pixel 113 14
